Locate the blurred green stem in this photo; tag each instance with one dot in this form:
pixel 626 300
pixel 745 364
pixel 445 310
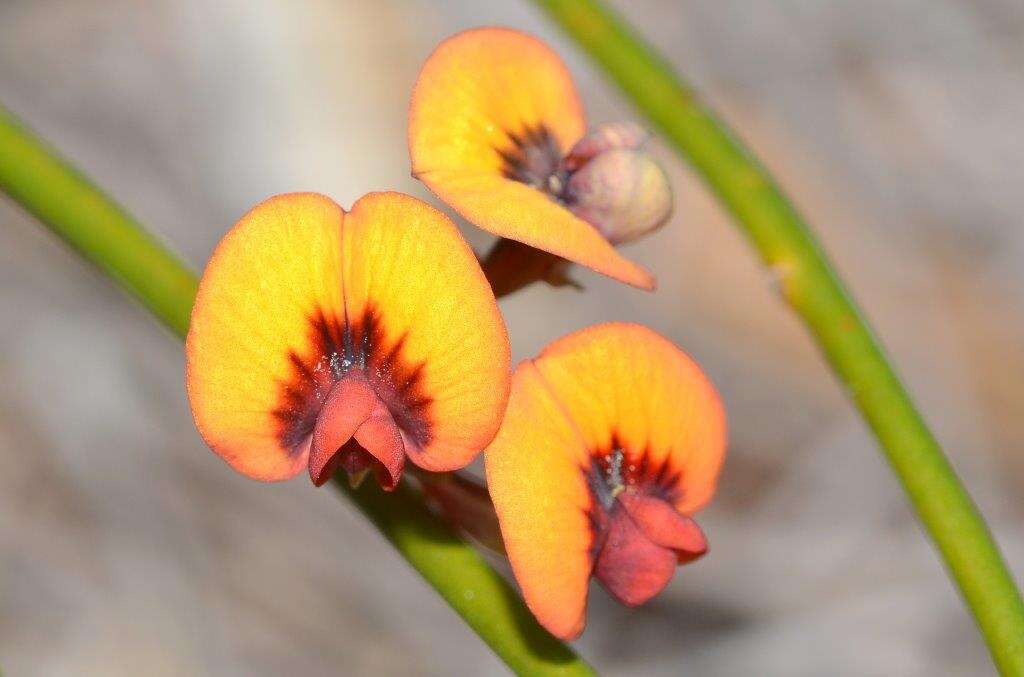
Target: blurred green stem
pixel 66 202
pixel 813 289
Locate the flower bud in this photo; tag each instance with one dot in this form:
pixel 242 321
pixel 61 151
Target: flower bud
pixel 627 135
pixel 620 191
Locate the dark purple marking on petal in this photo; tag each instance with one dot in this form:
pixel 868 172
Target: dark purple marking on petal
pixel 533 156
pixel 337 348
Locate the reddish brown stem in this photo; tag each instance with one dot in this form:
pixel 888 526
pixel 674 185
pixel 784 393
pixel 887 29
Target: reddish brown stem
pixel 510 266
pixel 464 502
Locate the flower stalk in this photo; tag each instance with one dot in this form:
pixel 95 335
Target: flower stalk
pixel 811 286
pixel 67 203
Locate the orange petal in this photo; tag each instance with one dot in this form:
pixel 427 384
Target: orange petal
pixel 606 389
pixel 483 97
pixel 535 473
pixel 299 295
pixel 274 271
pixel 624 386
pixel 440 358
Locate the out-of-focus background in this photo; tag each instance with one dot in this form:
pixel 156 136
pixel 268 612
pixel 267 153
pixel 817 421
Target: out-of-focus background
pixel 127 548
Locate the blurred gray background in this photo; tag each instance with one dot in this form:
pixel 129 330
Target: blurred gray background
pixel 127 548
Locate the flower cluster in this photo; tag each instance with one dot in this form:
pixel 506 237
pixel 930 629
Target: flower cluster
pixel 365 339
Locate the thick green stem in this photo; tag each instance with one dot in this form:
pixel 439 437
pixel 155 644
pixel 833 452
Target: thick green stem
pixel 66 202
pixel 813 289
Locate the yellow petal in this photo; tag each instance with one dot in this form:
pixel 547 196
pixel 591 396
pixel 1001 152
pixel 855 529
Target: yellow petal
pixel 406 261
pixel 536 474
pixel 614 402
pixel 625 386
pixel 278 268
pixel 481 95
pixel 298 294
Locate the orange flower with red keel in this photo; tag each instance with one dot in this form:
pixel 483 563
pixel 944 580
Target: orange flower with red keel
pixel 325 339
pixel 497 131
pixel 612 439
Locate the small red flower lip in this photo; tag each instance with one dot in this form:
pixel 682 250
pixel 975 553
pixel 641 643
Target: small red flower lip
pixel 643 539
pixel 323 339
pixel 613 438
pixel 354 429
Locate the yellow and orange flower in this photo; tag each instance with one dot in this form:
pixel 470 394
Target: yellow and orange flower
pixel 321 338
pixel 496 130
pixel 612 439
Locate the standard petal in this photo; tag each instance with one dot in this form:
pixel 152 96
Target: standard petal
pixel 627 387
pixel 492 114
pixel 536 473
pixel 254 369
pixel 426 323
pixel 479 88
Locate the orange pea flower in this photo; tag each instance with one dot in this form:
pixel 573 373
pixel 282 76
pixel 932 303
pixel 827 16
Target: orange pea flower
pixel 321 338
pixel 496 130
pixel 612 439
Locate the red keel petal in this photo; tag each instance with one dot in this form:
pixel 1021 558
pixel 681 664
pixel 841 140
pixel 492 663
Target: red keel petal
pixel 354 429
pixel 630 566
pixel 664 525
pixel 381 438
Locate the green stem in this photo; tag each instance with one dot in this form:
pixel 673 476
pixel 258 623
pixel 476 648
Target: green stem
pixel 483 598
pixel 813 289
pixel 66 202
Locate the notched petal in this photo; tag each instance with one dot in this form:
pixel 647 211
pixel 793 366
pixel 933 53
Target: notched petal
pixel 291 361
